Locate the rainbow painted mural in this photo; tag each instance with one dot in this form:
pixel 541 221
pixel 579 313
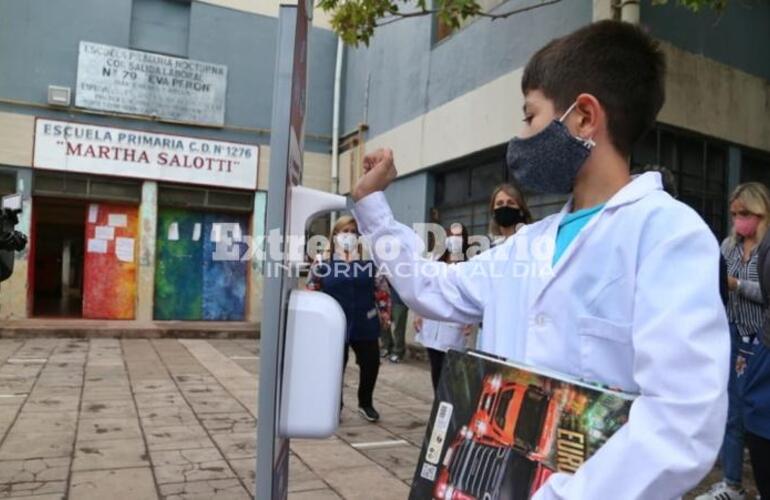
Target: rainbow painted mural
pixel 190 284
pixel 109 277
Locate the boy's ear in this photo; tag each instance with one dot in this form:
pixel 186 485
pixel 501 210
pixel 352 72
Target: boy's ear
pixel 589 118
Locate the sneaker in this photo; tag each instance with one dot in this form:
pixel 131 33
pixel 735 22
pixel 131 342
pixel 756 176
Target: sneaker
pixel 369 413
pixel 394 358
pixel 384 353
pixel 723 491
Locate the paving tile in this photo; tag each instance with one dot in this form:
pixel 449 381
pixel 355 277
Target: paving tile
pixel 159 400
pixel 55 489
pixel 107 409
pixel 52 404
pixel 51 496
pixel 177 438
pixel 237 445
pixel 323 456
pixel 24 445
pixel 370 482
pixel 400 460
pixel 204 404
pixel 167 416
pixel 65 380
pixel 365 433
pixel 134 484
pixel 110 454
pixel 222 489
pixel 321 494
pixel 238 422
pixel 106 393
pixel 301 478
pixel 200 464
pixel 154 386
pixel 7 416
pixel 194 379
pixel 106 380
pixel 37 470
pixel 108 428
pixel 28 422
pixel 246 468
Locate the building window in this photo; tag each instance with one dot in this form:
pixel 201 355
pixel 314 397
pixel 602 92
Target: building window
pixel 755 167
pixel 463 190
pixel 203 198
pixel 7 183
pixel 161 26
pixel 699 165
pixel 66 185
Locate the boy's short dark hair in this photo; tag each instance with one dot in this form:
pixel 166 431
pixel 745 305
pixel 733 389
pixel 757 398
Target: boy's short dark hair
pixel 614 61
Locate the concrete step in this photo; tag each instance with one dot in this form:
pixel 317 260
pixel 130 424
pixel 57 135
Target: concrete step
pixel 85 328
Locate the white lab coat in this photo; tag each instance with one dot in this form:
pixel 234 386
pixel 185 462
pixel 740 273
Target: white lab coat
pixel 632 303
pixel 441 335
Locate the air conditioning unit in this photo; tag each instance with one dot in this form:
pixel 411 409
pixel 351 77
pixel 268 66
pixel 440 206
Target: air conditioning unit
pixel 58 96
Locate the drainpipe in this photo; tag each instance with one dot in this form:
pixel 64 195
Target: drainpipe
pixel 336 119
pixel 629 11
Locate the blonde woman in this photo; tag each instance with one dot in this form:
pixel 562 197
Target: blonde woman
pixel 749 210
pixel 364 296
pixel 509 212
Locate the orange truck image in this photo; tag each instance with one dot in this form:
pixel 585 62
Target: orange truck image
pixel 481 460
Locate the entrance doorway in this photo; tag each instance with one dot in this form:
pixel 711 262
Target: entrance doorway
pixel 59 256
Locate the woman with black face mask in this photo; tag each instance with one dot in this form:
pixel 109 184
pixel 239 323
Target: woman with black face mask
pixel 509 212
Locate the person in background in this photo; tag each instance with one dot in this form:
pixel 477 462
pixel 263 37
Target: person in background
pixel 756 385
pixel 749 209
pixel 364 297
pixel 394 339
pixel 509 213
pixel 439 336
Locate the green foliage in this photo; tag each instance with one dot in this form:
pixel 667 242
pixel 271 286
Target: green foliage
pixel 356 20
pixel 697 5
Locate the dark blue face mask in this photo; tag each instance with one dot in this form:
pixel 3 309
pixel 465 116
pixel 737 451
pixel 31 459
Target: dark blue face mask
pixel 549 161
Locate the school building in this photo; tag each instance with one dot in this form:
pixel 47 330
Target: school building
pixel 138 132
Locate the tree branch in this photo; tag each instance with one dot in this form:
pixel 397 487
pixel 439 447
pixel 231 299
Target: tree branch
pixel 398 16
pixel 517 11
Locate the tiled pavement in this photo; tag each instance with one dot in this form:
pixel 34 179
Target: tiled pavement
pixel 166 418
pixel 147 419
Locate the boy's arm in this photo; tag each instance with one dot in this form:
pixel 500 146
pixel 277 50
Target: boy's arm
pixel 432 289
pixel 681 344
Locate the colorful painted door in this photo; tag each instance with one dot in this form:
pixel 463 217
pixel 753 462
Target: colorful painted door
pixel 224 273
pixel 193 281
pixel 178 268
pixel 109 275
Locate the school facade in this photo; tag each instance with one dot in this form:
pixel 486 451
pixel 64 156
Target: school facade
pixel 138 132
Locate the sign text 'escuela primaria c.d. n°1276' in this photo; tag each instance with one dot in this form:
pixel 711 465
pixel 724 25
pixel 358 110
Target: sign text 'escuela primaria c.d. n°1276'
pixel 84 148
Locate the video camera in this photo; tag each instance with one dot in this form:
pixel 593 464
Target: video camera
pixel 10 240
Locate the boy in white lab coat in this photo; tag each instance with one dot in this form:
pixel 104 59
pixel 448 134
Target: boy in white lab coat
pixel 620 288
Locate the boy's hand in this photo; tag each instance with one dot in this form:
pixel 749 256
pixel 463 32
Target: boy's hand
pixel 379 172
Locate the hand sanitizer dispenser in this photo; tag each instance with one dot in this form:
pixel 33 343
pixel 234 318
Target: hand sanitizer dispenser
pixel 312 367
pixel 315 337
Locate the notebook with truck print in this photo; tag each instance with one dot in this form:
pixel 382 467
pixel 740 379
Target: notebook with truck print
pixel 498 430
